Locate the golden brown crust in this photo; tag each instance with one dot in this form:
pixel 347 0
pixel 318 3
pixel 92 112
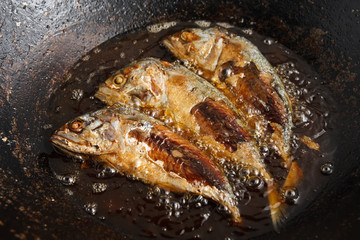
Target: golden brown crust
pixel 310 143
pixel 218 120
pixel 250 89
pixel 180 156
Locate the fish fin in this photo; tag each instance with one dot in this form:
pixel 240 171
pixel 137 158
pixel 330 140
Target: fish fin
pixel 235 213
pixel 278 216
pixel 277 208
pixel 276 202
pixel 294 176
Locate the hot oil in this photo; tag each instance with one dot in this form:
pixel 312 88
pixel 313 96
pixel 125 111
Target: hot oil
pixel 142 211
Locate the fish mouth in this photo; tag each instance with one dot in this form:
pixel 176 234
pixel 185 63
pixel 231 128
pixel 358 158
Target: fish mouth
pixel 103 92
pixel 59 141
pixel 62 144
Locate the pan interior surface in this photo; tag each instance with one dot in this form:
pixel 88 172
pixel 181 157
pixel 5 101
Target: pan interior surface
pixel 141 211
pixel 40 42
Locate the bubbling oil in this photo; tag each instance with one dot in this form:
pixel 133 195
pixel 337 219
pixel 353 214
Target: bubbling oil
pixel 141 211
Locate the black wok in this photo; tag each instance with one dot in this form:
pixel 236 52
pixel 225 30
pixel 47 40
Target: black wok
pixel 41 40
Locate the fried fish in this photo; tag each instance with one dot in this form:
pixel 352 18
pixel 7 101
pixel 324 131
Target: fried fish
pixel 139 145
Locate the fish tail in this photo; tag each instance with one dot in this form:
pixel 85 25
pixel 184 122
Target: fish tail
pixel 277 207
pixel 276 201
pixel 294 176
pixel 235 213
pixel 228 199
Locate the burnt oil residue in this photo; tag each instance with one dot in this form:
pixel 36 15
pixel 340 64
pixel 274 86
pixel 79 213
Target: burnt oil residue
pixel 141 211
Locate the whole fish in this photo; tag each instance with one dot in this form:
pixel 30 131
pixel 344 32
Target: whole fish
pixel 239 70
pixel 190 104
pixel 139 145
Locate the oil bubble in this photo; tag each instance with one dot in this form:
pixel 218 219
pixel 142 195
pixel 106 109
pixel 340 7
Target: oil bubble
pixel 240 194
pixel 264 150
pixel 268 41
pixel 181 232
pixel 222 208
pixel 243 179
pixel 107 172
pixel 176 206
pixel 255 172
pixel 205 217
pixel 248 31
pixel 197 236
pixel 198 205
pixel 177 214
pixel 77 94
pixel 327 168
pixel 291 195
pixel 254 182
pixel 67 179
pixel 90 208
pixel 204 201
pixel 244 172
pixel 99 187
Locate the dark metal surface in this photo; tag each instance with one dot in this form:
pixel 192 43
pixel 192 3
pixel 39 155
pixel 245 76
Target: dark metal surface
pixel 40 40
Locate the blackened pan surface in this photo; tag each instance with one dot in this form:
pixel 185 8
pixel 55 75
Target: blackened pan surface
pixel 40 41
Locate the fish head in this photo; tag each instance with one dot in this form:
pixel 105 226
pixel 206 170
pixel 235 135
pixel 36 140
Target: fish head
pixel 140 84
pixel 90 134
pixel 197 46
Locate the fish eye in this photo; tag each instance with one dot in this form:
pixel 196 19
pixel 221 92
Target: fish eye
pixel 76 126
pixel 119 80
pixel 189 36
pixel 185 36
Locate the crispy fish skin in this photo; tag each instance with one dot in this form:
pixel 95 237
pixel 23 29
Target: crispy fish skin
pixel 139 145
pixel 191 104
pixel 236 67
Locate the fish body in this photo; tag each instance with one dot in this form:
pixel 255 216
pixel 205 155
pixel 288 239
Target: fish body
pixel 238 69
pixel 190 104
pixel 139 145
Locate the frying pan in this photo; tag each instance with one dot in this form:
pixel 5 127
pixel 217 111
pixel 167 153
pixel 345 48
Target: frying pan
pixel 41 40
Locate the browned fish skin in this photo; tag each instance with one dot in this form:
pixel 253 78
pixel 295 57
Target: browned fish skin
pixel 217 119
pixel 180 156
pixel 266 100
pixel 141 146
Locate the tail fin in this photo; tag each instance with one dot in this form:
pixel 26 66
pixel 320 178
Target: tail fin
pixel 228 199
pixel 294 176
pixel 235 213
pixel 276 201
pixel 277 207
